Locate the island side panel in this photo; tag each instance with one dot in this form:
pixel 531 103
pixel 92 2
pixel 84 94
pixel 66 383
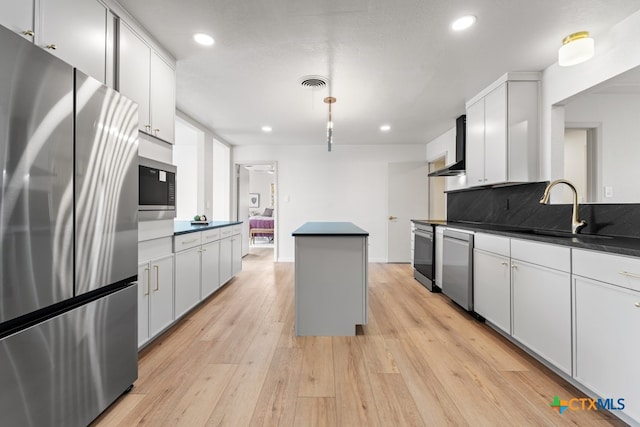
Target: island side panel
pixel 330 284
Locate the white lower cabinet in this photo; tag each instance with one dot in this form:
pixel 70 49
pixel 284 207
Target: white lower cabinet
pixel 210 266
pixel 226 257
pixel 155 297
pixel 187 280
pixel 492 288
pixel 607 321
pixel 542 311
pixel 236 254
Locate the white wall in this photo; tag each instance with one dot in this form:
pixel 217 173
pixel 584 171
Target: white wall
pixel 617 115
pixel 260 182
pixel 348 184
pixel 617 50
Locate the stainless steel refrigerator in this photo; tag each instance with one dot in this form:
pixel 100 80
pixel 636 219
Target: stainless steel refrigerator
pixel 68 240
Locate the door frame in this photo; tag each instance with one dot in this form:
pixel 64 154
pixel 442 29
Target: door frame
pixel 236 197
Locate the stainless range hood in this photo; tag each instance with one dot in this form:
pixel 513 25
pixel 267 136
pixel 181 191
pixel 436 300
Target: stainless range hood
pixel 459 167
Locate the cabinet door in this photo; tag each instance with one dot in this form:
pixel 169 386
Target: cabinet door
pixel 495 136
pixel 607 321
pixel 542 312
pixel 144 288
pixel 187 282
pixel 226 268
pixel 17 15
pixel 135 61
pixel 161 305
pixel 236 254
pixel 210 262
pixel 78 29
pixel 163 98
pixel 475 144
pixel 492 288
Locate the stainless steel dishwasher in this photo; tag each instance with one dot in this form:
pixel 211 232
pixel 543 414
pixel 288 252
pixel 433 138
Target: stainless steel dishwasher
pixel 457 267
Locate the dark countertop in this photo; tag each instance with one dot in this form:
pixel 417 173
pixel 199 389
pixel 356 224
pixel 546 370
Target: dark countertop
pixel 611 244
pixel 329 229
pixel 184 227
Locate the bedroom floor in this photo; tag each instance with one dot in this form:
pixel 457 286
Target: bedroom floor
pixel 261 242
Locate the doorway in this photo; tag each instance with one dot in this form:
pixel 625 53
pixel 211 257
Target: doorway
pixel 580 155
pixel 256 207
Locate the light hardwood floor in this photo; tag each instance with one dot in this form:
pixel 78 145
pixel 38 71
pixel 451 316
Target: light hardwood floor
pixel 421 361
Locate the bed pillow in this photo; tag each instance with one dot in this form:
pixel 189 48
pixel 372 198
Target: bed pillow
pixel 267 212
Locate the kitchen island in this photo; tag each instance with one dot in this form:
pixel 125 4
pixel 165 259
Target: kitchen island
pixel 331 269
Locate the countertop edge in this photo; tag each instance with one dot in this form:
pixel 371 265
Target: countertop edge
pixel 197 228
pixel 628 246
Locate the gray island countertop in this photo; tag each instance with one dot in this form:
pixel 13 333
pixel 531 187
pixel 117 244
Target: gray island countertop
pixel 329 229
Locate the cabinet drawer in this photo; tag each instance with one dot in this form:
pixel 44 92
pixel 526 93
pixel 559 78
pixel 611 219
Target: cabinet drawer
pixel 237 229
pixel 226 231
pixel 186 241
pixel 615 269
pixel 490 243
pixel 551 256
pixel 210 235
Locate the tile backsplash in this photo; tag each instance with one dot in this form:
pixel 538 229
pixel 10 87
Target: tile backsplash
pixel 518 206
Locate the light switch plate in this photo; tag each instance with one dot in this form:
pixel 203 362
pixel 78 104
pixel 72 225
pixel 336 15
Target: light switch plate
pixel 608 191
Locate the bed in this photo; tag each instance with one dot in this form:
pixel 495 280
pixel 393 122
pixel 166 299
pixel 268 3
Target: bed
pixel 260 226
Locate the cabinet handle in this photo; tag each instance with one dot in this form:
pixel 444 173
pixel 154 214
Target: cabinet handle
pixel 148 280
pixel 189 241
pixel 480 180
pixel 29 33
pixel 210 237
pixel 157 267
pixel 504 263
pixel 148 128
pixel 51 46
pixel 626 273
pixel 156 131
pixel 637 304
pixel 515 267
pixel 203 250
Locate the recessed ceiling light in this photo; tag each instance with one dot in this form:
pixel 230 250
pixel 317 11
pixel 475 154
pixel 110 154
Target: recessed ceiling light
pixel 203 39
pixel 463 23
pixel 385 128
pixel 266 129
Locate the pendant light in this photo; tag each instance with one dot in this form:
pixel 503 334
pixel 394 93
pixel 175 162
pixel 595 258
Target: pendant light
pixel 576 48
pixel 329 100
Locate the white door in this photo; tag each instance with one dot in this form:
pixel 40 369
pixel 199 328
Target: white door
pixel 407 199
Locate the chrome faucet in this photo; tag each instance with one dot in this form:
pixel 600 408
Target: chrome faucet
pixel 576 224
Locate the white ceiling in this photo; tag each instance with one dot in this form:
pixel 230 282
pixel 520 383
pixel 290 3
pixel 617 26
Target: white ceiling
pixel 389 62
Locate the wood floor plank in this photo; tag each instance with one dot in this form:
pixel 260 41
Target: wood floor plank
pixel 355 404
pixel 316 412
pixel 317 378
pixel 235 361
pixel 276 404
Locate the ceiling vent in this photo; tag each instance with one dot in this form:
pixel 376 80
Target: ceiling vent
pixel 314 82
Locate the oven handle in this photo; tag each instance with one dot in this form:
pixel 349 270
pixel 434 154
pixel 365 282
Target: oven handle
pixel 425 234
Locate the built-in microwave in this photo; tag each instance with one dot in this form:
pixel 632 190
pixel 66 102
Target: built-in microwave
pixel 157 190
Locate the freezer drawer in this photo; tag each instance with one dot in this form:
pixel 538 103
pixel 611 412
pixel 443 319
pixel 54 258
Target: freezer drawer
pixel 67 370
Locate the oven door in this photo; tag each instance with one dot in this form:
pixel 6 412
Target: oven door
pixel 423 260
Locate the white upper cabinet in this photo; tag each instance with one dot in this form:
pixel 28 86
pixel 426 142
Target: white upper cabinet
pixel 17 15
pixel 76 32
pixel 150 81
pixel 163 98
pixel 135 63
pixel 73 30
pixel 503 131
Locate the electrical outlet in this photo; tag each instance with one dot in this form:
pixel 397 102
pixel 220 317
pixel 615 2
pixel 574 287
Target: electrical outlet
pixel 608 191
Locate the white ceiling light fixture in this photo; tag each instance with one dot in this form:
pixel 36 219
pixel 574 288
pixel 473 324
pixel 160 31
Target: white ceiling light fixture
pixel 463 23
pixel 267 129
pixel 385 128
pixel 576 48
pixel 329 100
pixel 203 39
